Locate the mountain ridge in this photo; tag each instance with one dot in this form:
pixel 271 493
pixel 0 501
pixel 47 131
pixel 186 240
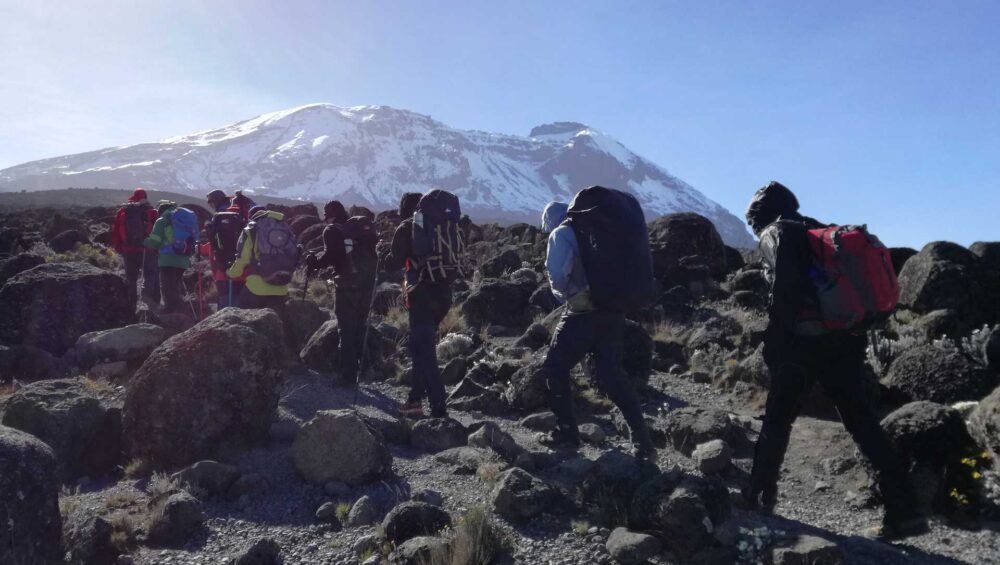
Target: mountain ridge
pixel 370 155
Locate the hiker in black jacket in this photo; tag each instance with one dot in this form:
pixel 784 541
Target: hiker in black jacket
pixel 799 351
pixel 428 303
pixel 354 277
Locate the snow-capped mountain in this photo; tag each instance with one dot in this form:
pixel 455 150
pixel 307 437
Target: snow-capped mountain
pixel 370 155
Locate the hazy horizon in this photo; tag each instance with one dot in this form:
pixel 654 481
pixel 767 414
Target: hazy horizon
pixel 885 115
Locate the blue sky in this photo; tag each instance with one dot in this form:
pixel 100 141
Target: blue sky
pixel 879 113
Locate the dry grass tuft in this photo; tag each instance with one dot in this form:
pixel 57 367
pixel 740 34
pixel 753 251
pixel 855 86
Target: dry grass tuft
pixel 490 472
pixel 473 541
pixel 98 256
pixel 97 385
pixel 453 322
pixel 138 468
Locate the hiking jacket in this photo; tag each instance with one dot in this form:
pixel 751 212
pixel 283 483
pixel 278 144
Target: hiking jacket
pixel 333 255
pixel 160 237
pixel 118 235
pixel 562 260
pixel 243 266
pixel 784 246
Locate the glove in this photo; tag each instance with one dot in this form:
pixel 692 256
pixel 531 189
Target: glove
pixel 311 264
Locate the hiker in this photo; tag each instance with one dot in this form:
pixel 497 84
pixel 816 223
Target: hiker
pixel 799 350
pixel 133 223
pixel 349 248
pixel 222 237
pixel 267 255
pixel 594 323
pixel 429 266
pixel 243 204
pixel 173 236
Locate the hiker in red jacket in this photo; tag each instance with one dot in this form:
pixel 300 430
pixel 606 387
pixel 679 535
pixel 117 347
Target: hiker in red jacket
pixel 133 223
pixel 223 232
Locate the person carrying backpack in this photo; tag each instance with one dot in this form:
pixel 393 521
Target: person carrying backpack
pixel 349 248
pixel 268 255
pixel 173 235
pixel 600 266
pixel 223 232
pixel 133 223
pixel 827 283
pixel 427 245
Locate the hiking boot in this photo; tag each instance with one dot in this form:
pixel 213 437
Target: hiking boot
pixel 759 500
pixel 896 530
pixel 561 438
pixel 411 409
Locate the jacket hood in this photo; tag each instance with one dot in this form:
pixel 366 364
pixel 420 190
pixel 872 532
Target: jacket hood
pixel 554 214
pixel 265 213
pixel 138 195
pixel 769 204
pixel 335 212
pixel 408 204
pixel 165 206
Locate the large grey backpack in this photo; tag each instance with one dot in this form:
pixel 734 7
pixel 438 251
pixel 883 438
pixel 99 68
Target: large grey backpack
pixel 276 250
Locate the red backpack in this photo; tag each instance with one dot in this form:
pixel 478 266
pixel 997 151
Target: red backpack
pixel 853 275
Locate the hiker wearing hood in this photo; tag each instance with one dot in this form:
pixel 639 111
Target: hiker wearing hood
pixel 427 303
pixel 267 270
pixel 133 223
pixel 799 352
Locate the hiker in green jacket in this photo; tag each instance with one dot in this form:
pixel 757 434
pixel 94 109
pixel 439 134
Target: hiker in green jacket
pixel 171 262
pixel 269 252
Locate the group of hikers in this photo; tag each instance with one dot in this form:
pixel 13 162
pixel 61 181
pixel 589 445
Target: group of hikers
pixel 828 285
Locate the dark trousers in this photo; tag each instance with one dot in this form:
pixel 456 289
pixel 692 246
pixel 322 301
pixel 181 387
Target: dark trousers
pixel 351 310
pixel 835 361
pixel 134 264
pixel 171 281
pixel 429 304
pixel 248 299
pixel 600 333
pixel 229 293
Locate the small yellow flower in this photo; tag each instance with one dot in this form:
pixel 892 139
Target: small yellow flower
pixel 976 475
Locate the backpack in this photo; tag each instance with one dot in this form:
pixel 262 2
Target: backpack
pixel 136 223
pixel 185 232
pixel 853 276
pixel 360 240
pixel 438 242
pixel 610 230
pixel 224 234
pixel 276 250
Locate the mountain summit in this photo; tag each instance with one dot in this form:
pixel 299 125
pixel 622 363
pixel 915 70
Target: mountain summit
pixel 370 155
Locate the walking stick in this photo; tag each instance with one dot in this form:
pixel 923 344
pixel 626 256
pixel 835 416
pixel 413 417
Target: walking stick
pixel 201 296
pixel 364 344
pixel 141 305
pixel 184 286
pixel 230 303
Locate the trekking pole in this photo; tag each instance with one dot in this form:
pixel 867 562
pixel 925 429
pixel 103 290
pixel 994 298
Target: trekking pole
pixel 230 303
pixel 364 344
pixel 140 303
pixel 184 286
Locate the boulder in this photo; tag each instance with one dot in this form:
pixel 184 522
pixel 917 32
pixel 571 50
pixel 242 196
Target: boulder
pixel 984 425
pixel 322 351
pixel 499 265
pixel 50 306
pixel 411 519
pixel 131 344
pixel 685 512
pixel 750 280
pixel 215 385
pixel 29 489
pixel 263 551
pixel 18 263
pixel 26 363
pixel 675 237
pixel 534 338
pixel 686 428
pixel 300 319
pixel 543 299
pixel 212 477
pixel 490 436
pixel 539 422
pixel 418 551
pixel 900 255
pixel 927 372
pixel 337 445
pixel 173 523
pixel 301 223
pixel 527 390
pixel 312 237
pixel 942 276
pixel 712 456
pixel 83 430
pixel 500 303
pixel 929 432
pixel 592 433
pixel 364 512
pixel 438 434
pixel 87 538
pixel 453 371
pixel 631 548
pixel 805 550
pixel 520 496
pixel 68 240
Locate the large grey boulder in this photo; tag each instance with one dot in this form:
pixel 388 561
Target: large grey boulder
pixel 527 390
pixel 929 373
pixel 51 305
pixel 942 276
pixel 131 343
pixel 686 428
pixel 173 523
pixel 806 550
pixel 18 263
pixel 684 238
pixel 87 537
pixel 438 434
pixel 26 363
pixel 631 548
pixel 215 385
pixel 499 302
pixel 520 496
pixel 31 529
pixel 82 428
pixel 322 351
pixel 411 519
pixel 301 319
pixel 926 431
pixel 337 445
pixel 984 425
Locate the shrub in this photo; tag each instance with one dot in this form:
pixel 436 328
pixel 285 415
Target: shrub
pixel 98 256
pixel 473 541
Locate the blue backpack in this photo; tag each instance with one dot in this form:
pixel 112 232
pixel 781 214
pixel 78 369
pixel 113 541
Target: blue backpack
pixel 185 227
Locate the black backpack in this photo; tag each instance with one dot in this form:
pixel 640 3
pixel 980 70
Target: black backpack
pixel 614 248
pixel 355 246
pixel 224 234
pixel 438 242
pixel 136 217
